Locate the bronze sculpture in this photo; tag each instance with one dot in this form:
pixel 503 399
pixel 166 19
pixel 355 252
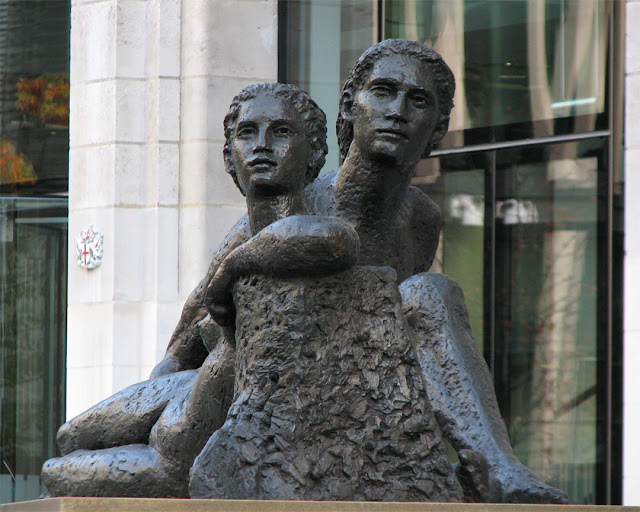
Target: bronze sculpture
pixel 329 400
pixel 394 109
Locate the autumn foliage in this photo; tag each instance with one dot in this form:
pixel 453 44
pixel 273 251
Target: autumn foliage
pixel 14 166
pixel 45 97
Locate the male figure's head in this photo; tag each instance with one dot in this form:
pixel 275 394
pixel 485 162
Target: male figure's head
pixel 275 139
pixel 396 102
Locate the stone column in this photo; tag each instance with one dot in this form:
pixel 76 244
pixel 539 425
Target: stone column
pixel 150 83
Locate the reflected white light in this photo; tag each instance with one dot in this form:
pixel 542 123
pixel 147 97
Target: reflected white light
pixel 470 210
pixel 574 103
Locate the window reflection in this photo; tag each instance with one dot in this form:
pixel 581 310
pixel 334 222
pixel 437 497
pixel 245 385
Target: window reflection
pixel 324 40
pixel 514 61
pixel 34 170
pixel 546 332
pixel 541 335
pixel 34 96
pixel 456 184
pixel 33 289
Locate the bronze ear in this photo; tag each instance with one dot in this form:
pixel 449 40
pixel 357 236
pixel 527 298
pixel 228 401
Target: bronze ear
pixel 228 166
pixel 439 131
pixel 346 105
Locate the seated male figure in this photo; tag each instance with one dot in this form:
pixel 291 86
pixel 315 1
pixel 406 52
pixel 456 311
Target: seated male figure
pixel 276 136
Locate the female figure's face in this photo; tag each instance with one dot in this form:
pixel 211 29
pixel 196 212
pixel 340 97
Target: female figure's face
pixel 396 111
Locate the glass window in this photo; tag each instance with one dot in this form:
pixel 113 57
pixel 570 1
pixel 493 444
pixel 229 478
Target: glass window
pixel 457 185
pixel 34 96
pixel 33 298
pixel 527 222
pixel 514 61
pixel 524 68
pixel 546 350
pixel 324 40
pixel 533 296
pixel 34 161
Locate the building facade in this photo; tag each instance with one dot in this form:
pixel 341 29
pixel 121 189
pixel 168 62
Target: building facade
pixel 535 181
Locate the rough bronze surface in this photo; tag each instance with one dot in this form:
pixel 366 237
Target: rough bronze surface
pixel 394 109
pixel 330 400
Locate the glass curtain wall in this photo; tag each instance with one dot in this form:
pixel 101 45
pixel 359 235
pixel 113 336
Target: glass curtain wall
pixel 322 40
pixel 514 61
pixel 523 235
pixel 34 148
pixel 526 183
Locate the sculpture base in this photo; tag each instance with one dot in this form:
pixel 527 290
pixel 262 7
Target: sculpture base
pixel 168 505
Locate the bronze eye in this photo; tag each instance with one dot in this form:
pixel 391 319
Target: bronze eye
pixel 381 90
pixel 420 100
pixel 245 132
pixel 283 131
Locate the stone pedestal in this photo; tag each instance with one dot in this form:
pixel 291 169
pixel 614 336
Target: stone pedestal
pixel 157 505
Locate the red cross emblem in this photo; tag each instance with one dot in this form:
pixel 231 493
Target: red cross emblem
pixel 89 248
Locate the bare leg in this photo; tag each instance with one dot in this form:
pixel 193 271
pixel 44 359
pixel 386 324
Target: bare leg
pixel 126 417
pixel 186 424
pixel 460 386
pixel 190 410
pixel 131 471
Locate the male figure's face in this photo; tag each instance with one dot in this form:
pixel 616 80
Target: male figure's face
pixel 395 112
pixel 269 148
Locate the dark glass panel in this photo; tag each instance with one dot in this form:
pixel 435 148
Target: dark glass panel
pixel 34 149
pixel 33 296
pixel 456 184
pixel 324 40
pixel 547 346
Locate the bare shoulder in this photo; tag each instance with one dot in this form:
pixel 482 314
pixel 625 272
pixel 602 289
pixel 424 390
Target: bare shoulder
pixel 421 206
pixel 320 195
pixel 238 234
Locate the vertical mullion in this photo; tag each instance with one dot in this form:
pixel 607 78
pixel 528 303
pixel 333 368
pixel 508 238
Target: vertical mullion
pixel 283 57
pixel 609 277
pixel 380 29
pixel 604 350
pixel 617 74
pixel 490 258
pixel 615 106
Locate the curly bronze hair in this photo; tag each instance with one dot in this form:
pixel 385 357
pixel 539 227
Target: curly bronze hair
pixel 445 82
pixel 312 115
